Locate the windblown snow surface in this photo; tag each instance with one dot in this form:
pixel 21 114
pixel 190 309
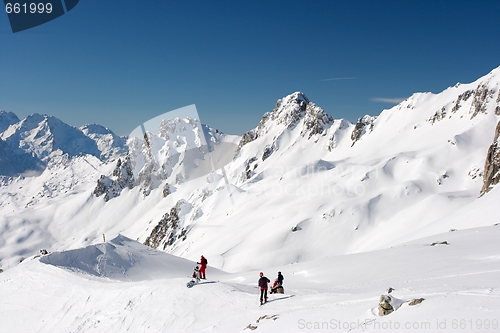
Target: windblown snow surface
pixel 345 211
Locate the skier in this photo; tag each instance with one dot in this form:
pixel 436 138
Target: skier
pixel 203 262
pixel 263 281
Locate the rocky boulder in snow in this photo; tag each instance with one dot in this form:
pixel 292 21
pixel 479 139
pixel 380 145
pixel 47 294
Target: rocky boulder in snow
pixel 384 305
pixel 491 175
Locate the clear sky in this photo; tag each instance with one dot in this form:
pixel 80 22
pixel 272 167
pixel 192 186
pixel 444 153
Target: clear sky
pixel 120 63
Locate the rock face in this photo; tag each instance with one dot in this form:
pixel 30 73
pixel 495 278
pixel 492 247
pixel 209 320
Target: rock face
pixel 363 126
pixel 491 175
pixel 168 230
pixel 289 112
pixel 123 177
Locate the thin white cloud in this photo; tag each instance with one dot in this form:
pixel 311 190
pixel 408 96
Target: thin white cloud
pixel 339 78
pixel 388 100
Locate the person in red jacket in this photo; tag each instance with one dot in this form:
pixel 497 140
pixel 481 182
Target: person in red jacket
pixel 203 266
pixel 263 281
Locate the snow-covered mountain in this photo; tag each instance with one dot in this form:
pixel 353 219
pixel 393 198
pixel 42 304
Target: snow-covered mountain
pixel 30 144
pixel 302 174
pixel 298 188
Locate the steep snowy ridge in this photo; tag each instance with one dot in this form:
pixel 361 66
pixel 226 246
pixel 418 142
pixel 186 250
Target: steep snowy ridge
pixel 109 144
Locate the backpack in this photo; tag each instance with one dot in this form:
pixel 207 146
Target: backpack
pixel 205 261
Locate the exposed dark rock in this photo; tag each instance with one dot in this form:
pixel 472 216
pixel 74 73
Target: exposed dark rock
pixel 416 301
pixel 167 230
pixel 251 165
pixel 111 188
pixel 439 115
pixel 316 121
pixel 481 96
pixel 166 190
pixel 332 143
pixel 497 109
pixel 462 97
pixel 384 305
pixel 440 243
pixel 268 152
pixel 491 174
pixel 363 125
pixel 246 138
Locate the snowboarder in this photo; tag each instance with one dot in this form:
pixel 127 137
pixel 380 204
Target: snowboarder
pixel 203 266
pixel 196 274
pixel 263 281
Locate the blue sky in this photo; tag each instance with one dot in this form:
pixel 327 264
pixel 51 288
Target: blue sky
pixel 120 63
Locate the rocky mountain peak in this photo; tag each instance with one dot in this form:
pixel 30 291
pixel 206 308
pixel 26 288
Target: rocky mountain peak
pixel 288 112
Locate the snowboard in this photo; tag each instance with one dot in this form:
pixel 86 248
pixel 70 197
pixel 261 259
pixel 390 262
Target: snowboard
pixel 191 283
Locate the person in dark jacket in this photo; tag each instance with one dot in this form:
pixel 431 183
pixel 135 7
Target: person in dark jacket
pixel 280 278
pixel 263 281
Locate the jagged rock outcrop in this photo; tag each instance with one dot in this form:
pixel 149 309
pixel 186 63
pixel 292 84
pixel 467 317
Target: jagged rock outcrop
pixel 246 138
pixel 439 115
pixel 480 99
pixel 250 167
pixel 461 98
pixel 123 177
pixel 363 125
pixel 168 230
pixel 497 108
pixel 491 174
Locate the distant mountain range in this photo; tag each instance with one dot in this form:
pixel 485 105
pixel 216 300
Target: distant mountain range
pixel 28 145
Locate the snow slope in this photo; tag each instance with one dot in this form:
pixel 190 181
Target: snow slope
pixel 337 293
